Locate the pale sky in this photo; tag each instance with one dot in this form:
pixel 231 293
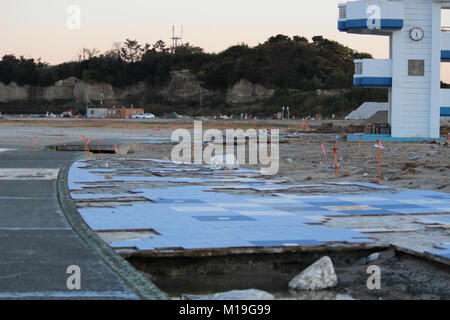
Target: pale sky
pixel 38 28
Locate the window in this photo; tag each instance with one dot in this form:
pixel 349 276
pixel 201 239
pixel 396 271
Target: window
pixel 343 12
pixel 92 112
pixel 358 68
pixel 416 68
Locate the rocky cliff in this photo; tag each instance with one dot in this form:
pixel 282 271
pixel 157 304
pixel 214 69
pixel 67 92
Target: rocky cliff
pixel 13 92
pixel 246 92
pixel 182 87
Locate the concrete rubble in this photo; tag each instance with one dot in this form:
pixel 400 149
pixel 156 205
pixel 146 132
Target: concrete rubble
pixel 319 276
pixel 224 162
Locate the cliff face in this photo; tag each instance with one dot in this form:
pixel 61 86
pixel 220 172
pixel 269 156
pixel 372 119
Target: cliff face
pixel 247 92
pixel 13 92
pixel 182 87
pixel 83 91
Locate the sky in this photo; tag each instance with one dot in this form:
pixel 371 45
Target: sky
pixel 40 28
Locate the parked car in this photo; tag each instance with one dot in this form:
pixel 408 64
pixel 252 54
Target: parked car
pixel 143 116
pixel 172 115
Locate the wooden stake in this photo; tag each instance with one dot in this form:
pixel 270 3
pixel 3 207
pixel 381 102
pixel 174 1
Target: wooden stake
pixel 336 166
pixel 379 161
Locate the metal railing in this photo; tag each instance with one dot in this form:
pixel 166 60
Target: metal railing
pixel 445 29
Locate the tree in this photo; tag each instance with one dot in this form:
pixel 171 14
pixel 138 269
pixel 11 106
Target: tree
pixel 132 51
pixel 87 54
pixel 278 38
pixel 114 52
pixel 188 49
pixel 160 46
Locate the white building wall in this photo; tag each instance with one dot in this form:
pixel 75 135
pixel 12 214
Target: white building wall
pixel 100 113
pixel 445 98
pixel 389 9
pixel 435 112
pixel 445 41
pixel 376 68
pixel 411 98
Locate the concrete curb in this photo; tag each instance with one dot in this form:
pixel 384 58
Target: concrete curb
pixel 143 288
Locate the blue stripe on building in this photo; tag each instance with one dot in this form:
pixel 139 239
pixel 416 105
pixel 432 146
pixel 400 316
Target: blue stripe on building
pixel 445 111
pixel 372 82
pixel 363 24
pixel 445 55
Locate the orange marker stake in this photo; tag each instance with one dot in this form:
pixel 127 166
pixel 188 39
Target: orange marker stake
pixel 86 141
pixel 305 125
pixel 360 137
pixel 379 161
pixel 324 152
pixel 115 149
pixel 130 136
pixel 36 147
pixel 336 167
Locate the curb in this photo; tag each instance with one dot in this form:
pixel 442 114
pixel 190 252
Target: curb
pixel 143 288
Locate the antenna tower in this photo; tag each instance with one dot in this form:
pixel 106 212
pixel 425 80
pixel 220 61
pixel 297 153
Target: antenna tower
pixel 175 38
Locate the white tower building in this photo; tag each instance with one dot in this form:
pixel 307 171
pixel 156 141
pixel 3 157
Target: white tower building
pixel 418 45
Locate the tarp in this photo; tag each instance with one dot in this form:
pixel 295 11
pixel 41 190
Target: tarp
pixel 366 110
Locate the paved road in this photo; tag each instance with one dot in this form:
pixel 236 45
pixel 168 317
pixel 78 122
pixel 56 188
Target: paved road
pixel 37 245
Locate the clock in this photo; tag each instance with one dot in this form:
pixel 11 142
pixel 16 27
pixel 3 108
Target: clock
pixel 417 34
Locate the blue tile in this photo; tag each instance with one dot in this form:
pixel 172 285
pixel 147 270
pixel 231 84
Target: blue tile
pixel 443 251
pixel 212 229
pixel 398 206
pixel 441 219
pixel 417 211
pixel 282 243
pixel 367 212
pixel 439 197
pixel 334 204
pixel 222 218
pixel 300 209
pixel 178 201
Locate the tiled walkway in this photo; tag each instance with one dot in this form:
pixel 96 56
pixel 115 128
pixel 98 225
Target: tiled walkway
pixel 195 213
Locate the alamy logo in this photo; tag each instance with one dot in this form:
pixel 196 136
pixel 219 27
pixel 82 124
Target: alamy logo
pixel 374 281
pixel 74 18
pixel 263 148
pixel 74 280
pixel 374 17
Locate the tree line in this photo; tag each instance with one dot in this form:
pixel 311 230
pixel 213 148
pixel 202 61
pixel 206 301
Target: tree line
pixel 279 62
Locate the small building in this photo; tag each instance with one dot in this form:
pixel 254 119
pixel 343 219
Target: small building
pixel 418 44
pixel 98 113
pixel 123 113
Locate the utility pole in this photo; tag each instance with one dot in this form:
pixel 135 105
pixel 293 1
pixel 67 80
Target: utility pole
pixel 175 39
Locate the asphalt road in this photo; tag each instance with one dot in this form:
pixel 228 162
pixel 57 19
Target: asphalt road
pixel 37 245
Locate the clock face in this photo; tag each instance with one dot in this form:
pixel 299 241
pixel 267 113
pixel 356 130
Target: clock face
pixel 417 34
